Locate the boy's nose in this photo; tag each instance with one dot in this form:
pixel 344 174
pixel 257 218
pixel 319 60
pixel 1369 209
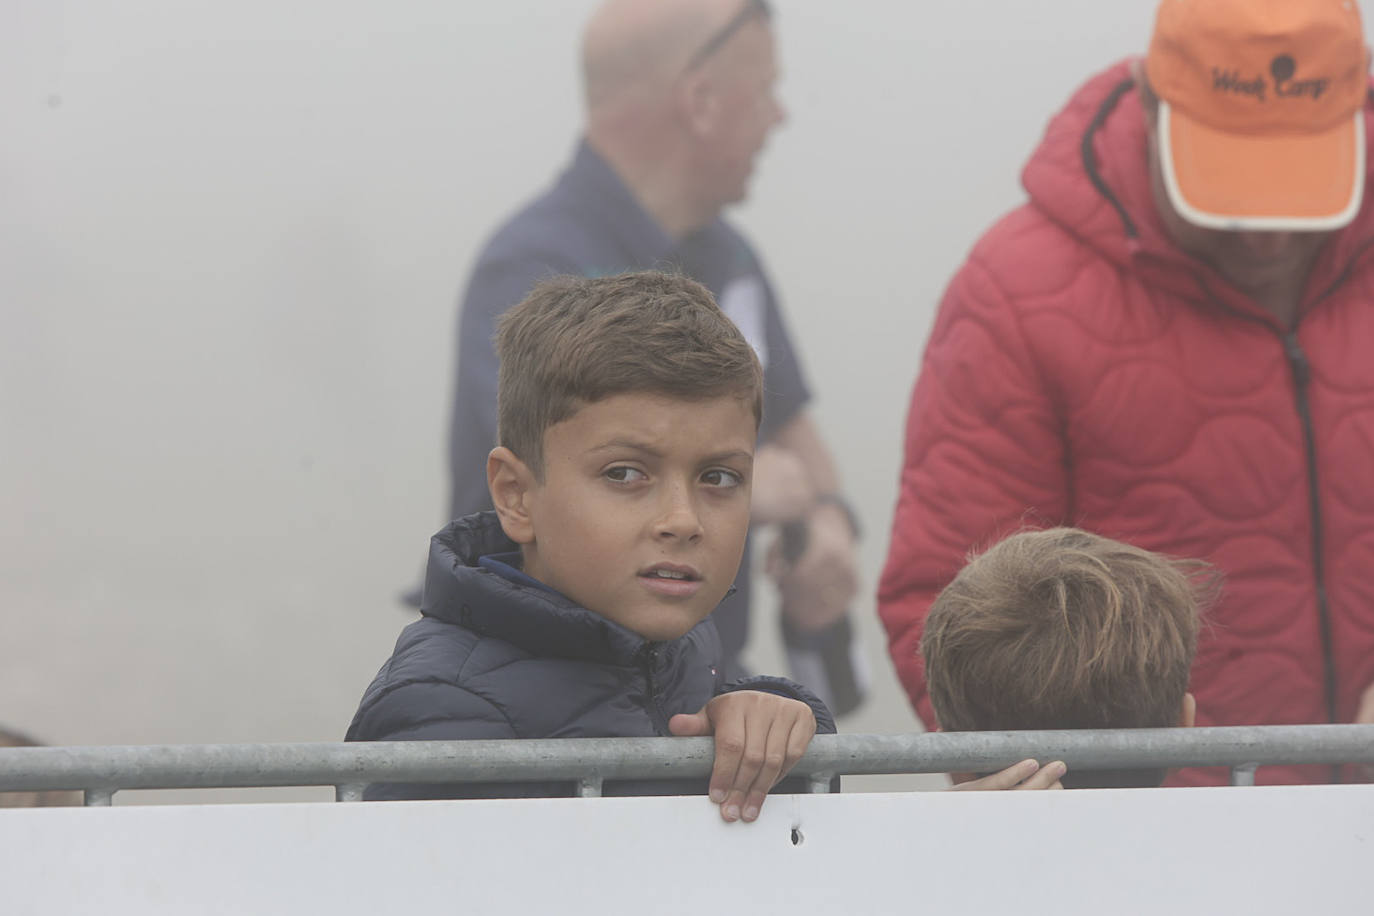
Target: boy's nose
pixel 678 515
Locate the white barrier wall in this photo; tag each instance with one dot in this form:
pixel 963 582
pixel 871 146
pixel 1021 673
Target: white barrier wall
pixel 1178 851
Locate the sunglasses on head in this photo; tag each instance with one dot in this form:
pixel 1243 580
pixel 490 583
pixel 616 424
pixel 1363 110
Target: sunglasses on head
pixel 752 9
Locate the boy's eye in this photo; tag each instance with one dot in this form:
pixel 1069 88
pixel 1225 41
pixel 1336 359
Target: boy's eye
pixel 722 477
pixel 623 474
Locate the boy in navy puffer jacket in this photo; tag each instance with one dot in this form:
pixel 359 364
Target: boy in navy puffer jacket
pixel 629 408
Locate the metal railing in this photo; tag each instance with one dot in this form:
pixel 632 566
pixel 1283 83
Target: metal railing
pixel 100 772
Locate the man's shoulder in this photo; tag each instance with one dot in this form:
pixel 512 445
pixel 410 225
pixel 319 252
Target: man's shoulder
pixel 1026 255
pixel 542 240
pixel 733 234
pixel 548 228
pixel 727 244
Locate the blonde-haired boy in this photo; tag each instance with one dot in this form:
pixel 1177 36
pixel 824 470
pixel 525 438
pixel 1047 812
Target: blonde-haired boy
pixel 1065 629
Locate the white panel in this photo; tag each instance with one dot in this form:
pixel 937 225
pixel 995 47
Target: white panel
pixel 1212 851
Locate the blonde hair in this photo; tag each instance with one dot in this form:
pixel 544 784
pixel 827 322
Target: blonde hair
pixel 1063 629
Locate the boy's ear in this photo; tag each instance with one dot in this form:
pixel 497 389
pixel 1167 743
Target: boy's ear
pixel 698 104
pixel 511 483
pixel 1187 716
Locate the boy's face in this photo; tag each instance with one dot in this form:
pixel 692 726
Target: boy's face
pixel 644 508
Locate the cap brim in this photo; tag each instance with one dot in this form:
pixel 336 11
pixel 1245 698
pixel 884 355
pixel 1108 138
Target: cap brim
pixel 1302 183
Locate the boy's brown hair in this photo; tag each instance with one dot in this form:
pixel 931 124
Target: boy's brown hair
pixel 1062 629
pixel 577 340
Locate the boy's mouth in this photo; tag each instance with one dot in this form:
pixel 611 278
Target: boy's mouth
pixel 671 571
pixel 671 580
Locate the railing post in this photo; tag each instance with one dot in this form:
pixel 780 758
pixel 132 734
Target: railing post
pixel 1244 774
pixel 819 783
pixel 99 798
pixel 348 792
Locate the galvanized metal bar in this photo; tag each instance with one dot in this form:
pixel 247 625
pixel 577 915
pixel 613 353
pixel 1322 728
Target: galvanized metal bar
pixel 1244 774
pixel 572 759
pixel 98 798
pixel 1091 749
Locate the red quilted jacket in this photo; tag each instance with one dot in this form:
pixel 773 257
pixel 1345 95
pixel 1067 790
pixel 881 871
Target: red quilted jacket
pixel 1082 370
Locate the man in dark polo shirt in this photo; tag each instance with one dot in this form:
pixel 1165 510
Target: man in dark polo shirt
pixel 679 100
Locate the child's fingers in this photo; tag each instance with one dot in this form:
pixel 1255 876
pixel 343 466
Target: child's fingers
pixel 755 765
pixel 753 804
pixel 775 763
pixel 798 740
pixel 759 737
pixel 1009 778
pixel 1047 777
pixel 733 807
pixel 730 737
pixel 687 725
pixel 787 743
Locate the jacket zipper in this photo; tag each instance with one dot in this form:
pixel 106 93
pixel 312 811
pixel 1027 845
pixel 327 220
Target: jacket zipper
pixel 649 658
pixel 1302 376
pixel 1301 369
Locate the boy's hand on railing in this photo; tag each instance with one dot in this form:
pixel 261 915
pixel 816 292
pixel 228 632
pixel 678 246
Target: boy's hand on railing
pixel 1028 774
pixel 759 737
pixel 1364 715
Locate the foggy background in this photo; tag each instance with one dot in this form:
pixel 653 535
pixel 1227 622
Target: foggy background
pixel 232 238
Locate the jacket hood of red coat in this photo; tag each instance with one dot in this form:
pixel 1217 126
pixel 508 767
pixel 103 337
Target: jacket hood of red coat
pixel 1090 175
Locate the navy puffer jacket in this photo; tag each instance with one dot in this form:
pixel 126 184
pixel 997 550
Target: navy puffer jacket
pixel 494 658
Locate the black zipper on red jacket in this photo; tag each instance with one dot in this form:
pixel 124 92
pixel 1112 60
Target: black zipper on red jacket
pixel 1302 373
pixel 649 657
pixel 1302 377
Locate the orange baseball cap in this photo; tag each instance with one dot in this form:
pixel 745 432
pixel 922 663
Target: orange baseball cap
pixel 1261 111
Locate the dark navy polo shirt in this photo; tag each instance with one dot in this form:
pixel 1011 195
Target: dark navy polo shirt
pixel 589 224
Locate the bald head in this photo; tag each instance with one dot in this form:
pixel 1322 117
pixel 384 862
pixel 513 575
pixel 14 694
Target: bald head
pixel 633 50
pixel 680 101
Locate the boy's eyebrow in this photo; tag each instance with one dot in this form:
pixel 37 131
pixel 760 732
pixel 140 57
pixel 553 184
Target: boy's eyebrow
pixel 737 454
pixel 633 444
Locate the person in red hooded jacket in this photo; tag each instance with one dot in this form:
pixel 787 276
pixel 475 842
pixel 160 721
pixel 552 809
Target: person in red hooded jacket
pixel 1169 344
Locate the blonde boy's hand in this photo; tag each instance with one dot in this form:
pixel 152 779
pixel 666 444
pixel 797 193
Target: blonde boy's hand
pixel 759 737
pixel 1364 715
pixel 1028 774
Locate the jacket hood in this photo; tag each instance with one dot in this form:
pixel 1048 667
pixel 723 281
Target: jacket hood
pixel 1090 175
pixel 540 621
